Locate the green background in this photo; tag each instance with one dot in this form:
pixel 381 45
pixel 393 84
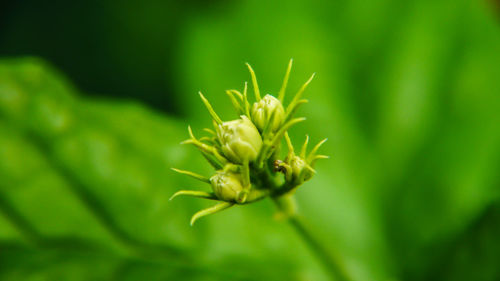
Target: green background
pixel 95 97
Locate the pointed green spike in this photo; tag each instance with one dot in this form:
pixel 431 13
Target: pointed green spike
pixel 216 126
pixel 210 109
pixel 235 102
pixel 212 160
pixel 188 141
pixel 285 128
pixel 209 140
pixel 192 174
pixel 237 93
pixel 254 82
pixel 209 149
pixel 194 193
pixel 308 167
pixel 209 211
pixel 320 156
pixel 219 157
pixel 291 151
pixel 281 93
pixel 291 110
pixel 317 157
pixel 245 100
pixel 315 149
pixel 191 132
pixel 210 131
pixel 304 148
pixel 298 95
pixel 302 101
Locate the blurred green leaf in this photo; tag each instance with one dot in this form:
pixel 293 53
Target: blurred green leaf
pixel 472 255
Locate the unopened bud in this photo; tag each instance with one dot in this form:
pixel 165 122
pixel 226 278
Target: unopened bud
pixel 226 185
pixel 300 168
pixel 240 140
pixel 262 112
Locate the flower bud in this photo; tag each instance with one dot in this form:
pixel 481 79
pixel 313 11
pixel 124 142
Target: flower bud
pixel 263 110
pixel 240 140
pixel 300 168
pixel 226 185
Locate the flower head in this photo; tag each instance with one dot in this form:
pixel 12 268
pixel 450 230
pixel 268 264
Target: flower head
pixel 245 152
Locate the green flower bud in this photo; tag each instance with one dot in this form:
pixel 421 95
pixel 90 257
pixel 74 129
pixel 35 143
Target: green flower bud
pixel 226 185
pixel 264 109
pixel 300 169
pixel 240 140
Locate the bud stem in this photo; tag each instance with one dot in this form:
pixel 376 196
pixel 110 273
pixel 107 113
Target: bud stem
pixel 331 263
pixel 245 175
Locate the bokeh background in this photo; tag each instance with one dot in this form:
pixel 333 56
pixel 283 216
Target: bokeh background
pixel 95 97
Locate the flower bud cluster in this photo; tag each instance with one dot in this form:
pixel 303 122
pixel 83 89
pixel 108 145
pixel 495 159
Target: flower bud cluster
pixel 242 151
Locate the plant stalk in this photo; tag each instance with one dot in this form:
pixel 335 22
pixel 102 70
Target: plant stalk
pixel 330 262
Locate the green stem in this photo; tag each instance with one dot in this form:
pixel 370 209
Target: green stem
pixel 330 262
pixel 283 199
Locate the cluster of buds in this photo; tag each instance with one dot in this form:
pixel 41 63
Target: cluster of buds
pixel 245 152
